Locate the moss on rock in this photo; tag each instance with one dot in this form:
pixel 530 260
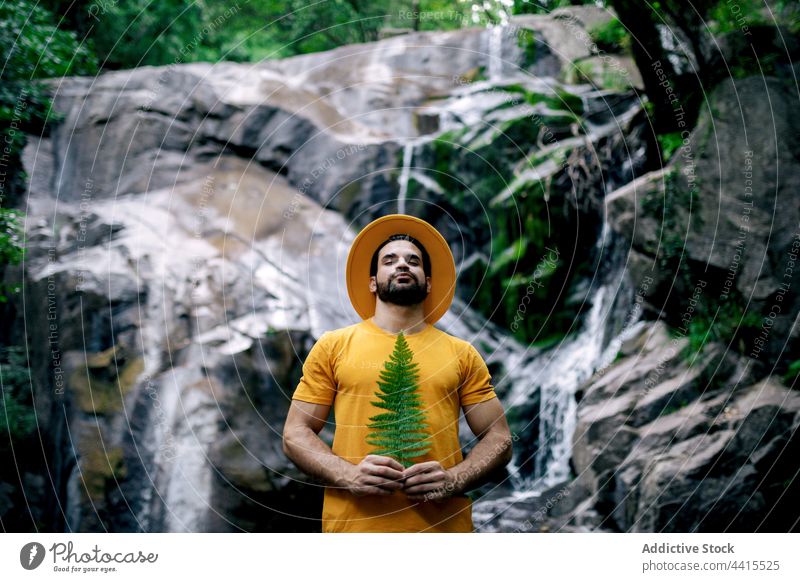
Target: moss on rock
pixel 100 387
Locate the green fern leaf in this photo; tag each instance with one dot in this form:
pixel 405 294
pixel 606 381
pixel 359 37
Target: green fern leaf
pixel 402 432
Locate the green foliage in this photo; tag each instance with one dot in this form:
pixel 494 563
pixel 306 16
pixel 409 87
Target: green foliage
pixel 511 254
pixel 296 27
pixel 401 432
pixel 541 6
pixel 678 206
pixel 747 65
pixel 673 405
pixel 12 246
pixel 792 373
pixel 725 321
pixel 668 143
pixel 526 40
pixel 521 285
pixel 141 32
pixel 31 47
pixel 34 48
pixel 17 418
pixel 611 36
pixel 728 16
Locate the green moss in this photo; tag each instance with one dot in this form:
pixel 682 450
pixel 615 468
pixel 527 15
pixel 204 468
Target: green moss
pixel 668 143
pixel 561 101
pixel 526 40
pixel 17 416
pixel 348 194
pixel 101 469
pixel 612 78
pixel 474 75
pixel 674 210
pixel 545 343
pixel 101 386
pixel 596 71
pixel 725 321
pixel 673 406
pixel 792 373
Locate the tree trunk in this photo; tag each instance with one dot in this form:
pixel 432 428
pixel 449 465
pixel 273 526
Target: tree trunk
pixel 647 52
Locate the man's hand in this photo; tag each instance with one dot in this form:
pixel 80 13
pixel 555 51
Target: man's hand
pixel 429 481
pixel 375 475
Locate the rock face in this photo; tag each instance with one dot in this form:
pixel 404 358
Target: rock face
pixel 177 322
pixel 691 428
pixel 662 445
pixel 728 202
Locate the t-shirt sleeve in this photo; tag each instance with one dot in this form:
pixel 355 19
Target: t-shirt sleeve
pixel 476 384
pixel 317 384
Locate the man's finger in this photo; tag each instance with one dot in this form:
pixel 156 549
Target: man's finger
pixel 383 483
pixel 386 472
pixel 387 461
pixel 421 468
pixel 422 488
pixel 428 477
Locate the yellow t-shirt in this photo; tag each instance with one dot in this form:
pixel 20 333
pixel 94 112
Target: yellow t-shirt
pixel 343 368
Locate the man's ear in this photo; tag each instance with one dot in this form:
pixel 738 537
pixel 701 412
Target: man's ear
pixel 428 283
pixel 373 285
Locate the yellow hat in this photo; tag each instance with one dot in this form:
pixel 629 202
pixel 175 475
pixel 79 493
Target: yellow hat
pixel 443 268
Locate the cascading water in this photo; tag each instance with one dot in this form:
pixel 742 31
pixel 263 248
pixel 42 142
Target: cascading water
pixel 408 156
pixel 553 377
pixel 495 53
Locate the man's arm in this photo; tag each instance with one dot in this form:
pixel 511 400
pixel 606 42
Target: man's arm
pixel 375 475
pixel 427 481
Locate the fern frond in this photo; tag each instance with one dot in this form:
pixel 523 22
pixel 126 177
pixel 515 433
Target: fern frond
pixel 402 432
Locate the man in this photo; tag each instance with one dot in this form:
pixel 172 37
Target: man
pixel 400 278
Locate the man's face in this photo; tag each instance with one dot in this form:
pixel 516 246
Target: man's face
pixel 400 278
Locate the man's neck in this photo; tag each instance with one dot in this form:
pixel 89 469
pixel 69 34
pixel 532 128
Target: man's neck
pixel 396 318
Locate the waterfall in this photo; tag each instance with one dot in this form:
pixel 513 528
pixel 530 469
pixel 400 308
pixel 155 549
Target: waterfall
pixel 570 365
pixel 408 156
pixel 494 70
pixel 555 375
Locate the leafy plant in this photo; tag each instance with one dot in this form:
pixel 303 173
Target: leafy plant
pixel 12 246
pixel 611 36
pixel 31 47
pixel 727 17
pixel 17 418
pixel 792 372
pixel 668 143
pixel 401 432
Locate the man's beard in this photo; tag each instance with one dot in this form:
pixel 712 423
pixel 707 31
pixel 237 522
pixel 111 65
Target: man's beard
pixel 409 294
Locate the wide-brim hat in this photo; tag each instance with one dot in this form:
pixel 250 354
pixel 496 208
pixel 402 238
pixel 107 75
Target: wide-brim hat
pixel 443 268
